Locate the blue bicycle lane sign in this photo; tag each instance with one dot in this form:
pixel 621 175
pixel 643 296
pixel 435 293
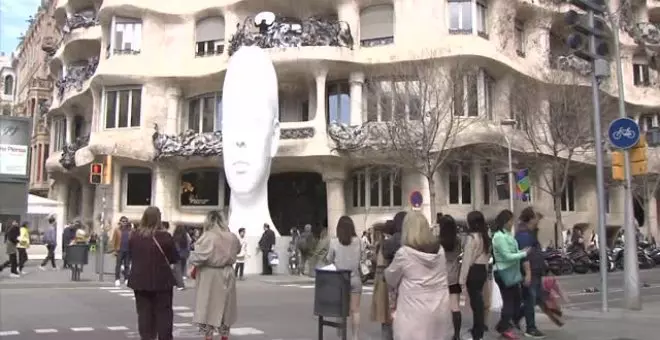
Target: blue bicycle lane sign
pixel 623 133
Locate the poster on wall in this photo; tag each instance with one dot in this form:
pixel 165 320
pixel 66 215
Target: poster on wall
pixel 14 147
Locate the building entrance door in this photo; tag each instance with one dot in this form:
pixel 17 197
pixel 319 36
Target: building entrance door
pixel 296 199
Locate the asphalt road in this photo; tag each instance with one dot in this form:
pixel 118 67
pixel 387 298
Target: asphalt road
pixel 266 311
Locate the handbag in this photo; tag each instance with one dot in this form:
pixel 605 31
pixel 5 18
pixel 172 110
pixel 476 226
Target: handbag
pixel 169 265
pixel 273 259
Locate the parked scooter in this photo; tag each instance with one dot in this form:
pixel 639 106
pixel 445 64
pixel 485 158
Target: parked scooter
pixel 652 251
pixel 367 265
pixel 580 260
pixel 594 257
pixel 643 259
pixel 557 263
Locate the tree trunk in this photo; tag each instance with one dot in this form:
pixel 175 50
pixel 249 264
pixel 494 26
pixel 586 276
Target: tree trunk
pixel 556 203
pixel 432 202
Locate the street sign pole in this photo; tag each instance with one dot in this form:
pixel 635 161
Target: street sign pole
pixel 101 239
pixel 624 133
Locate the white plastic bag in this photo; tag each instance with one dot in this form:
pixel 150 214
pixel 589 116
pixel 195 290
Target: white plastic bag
pixel 331 268
pixel 273 258
pixel 495 296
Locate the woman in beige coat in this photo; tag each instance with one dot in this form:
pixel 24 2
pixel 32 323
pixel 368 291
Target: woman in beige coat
pixel 212 260
pixel 419 272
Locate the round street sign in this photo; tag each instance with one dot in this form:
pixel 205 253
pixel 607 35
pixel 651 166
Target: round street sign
pixel 623 133
pixel 416 199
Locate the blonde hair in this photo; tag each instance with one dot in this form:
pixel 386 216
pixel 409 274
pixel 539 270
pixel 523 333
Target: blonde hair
pixel 216 219
pixel 417 234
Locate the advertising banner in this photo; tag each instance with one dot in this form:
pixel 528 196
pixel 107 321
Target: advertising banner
pixel 15 134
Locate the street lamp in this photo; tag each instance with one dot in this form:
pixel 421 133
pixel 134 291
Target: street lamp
pixel 512 123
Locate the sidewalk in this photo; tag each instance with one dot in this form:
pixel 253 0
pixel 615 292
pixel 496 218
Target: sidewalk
pixel 61 278
pixel 615 325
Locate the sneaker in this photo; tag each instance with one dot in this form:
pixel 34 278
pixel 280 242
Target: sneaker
pixel 117 283
pixel 185 278
pixel 43 269
pixel 180 288
pixel 23 272
pixel 509 335
pixel 534 334
pixel 14 276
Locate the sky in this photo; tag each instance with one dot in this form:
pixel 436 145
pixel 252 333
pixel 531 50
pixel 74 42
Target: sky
pixel 13 16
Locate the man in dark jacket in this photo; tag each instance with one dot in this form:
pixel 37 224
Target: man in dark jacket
pixel 391 246
pixel 68 235
pixel 11 240
pixel 266 243
pixel 534 268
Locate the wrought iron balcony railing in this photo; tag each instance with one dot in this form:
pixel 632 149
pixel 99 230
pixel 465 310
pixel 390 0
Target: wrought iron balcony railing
pixel 76 77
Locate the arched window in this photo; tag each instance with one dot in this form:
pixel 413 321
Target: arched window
pixel 200 188
pixel 210 36
pixel 9 85
pixel 377 25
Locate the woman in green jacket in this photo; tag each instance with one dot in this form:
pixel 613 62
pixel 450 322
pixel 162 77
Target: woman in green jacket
pixel 507 271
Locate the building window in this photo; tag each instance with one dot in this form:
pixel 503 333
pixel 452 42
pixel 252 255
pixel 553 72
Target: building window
pixel 205 113
pixel 482 18
pixel 460 186
pixel 210 36
pixel 43 164
pixel 387 98
pixel 641 75
pixel 126 36
pixel 648 121
pixel 122 108
pixel 487 185
pixel 466 94
pixel 137 187
pixel 9 85
pixel 339 103
pixel 460 16
pixel 519 36
pixel 58 129
pixel 377 187
pixel 200 188
pixel 377 25
pixel 568 196
pixel 358 185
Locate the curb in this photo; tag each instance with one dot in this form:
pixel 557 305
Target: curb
pixel 34 284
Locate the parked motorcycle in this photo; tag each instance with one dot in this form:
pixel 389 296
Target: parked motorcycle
pixel 643 259
pixel 580 260
pixel 294 253
pixel 652 251
pixel 594 257
pixel 557 263
pixel 367 265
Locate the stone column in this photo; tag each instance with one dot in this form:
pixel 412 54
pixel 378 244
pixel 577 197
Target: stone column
pixel 88 196
pixel 320 122
pixel 336 199
pixel 165 190
pixel 477 185
pixel 70 123
pixel 349 12
pixel 172 122
pixel 356 82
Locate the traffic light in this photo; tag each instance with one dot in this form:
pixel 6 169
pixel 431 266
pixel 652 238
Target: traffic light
pixel 618 173
pixel 583 30
pixel 638 160
pixel 96 173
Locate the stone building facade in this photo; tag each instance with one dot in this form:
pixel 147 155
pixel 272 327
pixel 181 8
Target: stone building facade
pixel 7 84
pixel 34 88
pixel 141 81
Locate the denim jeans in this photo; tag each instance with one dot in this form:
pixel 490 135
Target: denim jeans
pixel 530 297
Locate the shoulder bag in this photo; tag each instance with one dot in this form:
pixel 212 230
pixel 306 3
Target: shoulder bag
pixel 169 265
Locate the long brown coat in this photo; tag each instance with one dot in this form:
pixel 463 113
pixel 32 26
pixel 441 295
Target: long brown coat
pixel 215 297
pixel 380 305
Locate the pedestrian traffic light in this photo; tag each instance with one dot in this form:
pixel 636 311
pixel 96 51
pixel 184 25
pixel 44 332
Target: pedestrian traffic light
pixel 584 29
pixel 96 173
pixel 638 160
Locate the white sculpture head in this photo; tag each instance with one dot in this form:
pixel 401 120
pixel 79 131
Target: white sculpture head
pixel 250 121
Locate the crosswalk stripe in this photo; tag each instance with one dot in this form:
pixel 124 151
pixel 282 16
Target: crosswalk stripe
pixel 46 330
pixel 245 331
pixel 126 294
pixel 182 324
pixel 108 288
pixel 117 328
pixel 178 308
pixel 306 286
pixel 118 291
pixel 82 329
pixel 8 333
pixel 186 314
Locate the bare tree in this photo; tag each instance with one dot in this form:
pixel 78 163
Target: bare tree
pixel 557 139
pixel 644 188
pixel 417 114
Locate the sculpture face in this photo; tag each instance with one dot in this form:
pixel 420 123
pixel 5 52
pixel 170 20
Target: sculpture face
pixel 250 123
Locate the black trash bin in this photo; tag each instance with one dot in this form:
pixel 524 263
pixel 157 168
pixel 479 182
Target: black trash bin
pixel 332 299
pixel 77 255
